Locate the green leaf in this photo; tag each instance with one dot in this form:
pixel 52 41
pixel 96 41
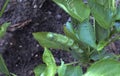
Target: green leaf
pixel 108 4
pixel 101 45
pixel 69 31
pixel 48 59
pixel 117 26
pixel 73 71
pixel 53 40
pixel 83 57
pixel 106 67
pixel 102 2
pixel 102 36
pixel 69 26
pixel 117 17
pixel 61 69
pixel 3 29
pixel 74 21
pixel 75 8
pixel 86 34
pixel 101 55
pixel 101 33
pixel 38 70
pixel 104 17
pixel 3 67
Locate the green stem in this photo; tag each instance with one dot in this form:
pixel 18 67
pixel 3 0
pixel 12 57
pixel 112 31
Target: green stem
pixel 72 63
pixel 3 8
pixel 113 5
pixel 114 39
pixel 13 74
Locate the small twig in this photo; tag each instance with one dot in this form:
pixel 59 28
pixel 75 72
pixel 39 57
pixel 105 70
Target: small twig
pixel 19 25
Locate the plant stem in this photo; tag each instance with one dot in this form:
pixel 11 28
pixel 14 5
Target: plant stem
pixel 72 63
pixel 114 39
pixel 3 8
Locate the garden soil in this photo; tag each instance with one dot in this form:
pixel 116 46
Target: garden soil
pixel 21 51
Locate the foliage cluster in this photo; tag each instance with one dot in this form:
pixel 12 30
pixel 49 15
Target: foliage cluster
pixel 93 26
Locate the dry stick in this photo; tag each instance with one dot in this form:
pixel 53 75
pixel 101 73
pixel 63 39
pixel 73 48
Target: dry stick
pixel 19 25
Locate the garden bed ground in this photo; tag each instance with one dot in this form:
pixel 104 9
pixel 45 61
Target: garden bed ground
pixel 20 50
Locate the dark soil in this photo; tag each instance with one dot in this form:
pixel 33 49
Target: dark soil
pixel 20 50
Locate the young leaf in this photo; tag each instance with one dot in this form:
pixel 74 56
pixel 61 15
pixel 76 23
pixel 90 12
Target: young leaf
pixel 117 17
pixel 3 68
pixel 69 31
pixel 61 69
pixel 3 29
pixel 75 8
pixel 39 69
pixel 104 17
pixel 106 67
pixel 101 33
pixel 86 34
pixel 53 40
pixel 73 71
pixel 50 63
pixel 117 26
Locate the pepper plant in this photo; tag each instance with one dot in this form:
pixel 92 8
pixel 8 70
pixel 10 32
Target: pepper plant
pixel 93 26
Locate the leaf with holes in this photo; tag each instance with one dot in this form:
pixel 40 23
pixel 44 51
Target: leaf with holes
pixel 53 40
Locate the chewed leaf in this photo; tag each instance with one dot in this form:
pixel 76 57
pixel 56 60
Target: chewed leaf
pixel 53 40
pixel 75 8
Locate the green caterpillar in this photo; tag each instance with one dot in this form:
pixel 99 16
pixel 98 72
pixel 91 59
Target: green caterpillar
pixel 63 40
